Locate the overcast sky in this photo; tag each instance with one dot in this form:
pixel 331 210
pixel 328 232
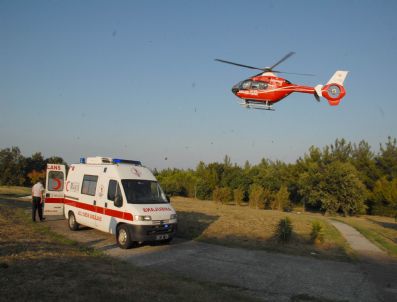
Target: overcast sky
pixel 138 80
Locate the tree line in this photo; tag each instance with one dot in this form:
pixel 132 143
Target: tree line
pixel 342 177
pixel 18 170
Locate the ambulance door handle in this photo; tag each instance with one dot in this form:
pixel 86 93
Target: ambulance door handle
pixel 94 202
pixel 47 195
pixel 106 204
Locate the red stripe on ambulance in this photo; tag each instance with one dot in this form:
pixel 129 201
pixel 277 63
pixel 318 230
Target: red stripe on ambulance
pixel 100 210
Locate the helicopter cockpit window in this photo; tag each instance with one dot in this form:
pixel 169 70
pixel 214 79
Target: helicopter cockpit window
pixel 246 85
pixel 262 85
pixel 255 85
pixel 259 85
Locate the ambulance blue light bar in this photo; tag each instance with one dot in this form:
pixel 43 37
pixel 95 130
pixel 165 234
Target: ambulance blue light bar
pixel 127 161
pixel 82 160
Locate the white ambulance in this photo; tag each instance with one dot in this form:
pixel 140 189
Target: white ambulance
pixel 117 196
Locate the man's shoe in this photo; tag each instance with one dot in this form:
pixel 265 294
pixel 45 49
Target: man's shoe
pixel 42 219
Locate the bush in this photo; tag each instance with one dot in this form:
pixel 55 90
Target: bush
pixel 256 197
pixel 281 200
pixel 238 195
pixel 222 195
pixel 284 230
pixel 317 233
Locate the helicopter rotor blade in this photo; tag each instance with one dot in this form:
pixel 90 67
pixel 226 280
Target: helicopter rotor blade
pixel 295 73
pixel 241 65
pixel 281 60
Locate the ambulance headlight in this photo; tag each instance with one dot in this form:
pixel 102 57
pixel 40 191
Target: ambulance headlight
pixel 173 216
pixel 143 217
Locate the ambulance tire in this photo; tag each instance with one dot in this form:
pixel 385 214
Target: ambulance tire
pixel 167 241
pixel 73 225
pixel 123 237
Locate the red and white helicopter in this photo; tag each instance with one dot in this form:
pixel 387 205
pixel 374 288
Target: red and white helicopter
pixel 265 89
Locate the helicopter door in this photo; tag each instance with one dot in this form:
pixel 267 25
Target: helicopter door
pixel 54 196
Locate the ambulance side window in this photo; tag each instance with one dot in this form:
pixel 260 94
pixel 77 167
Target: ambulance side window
pixel 89 185
pixel 113 191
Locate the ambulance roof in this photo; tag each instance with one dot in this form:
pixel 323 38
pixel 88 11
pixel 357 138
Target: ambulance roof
pixel 108 160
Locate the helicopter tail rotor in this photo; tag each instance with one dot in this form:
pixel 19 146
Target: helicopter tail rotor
pixel 334 90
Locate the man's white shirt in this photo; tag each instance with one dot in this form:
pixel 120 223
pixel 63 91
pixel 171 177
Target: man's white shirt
pixel 37 189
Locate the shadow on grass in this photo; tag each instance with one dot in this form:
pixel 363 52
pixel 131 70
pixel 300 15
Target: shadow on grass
pixel 191 225
pixel 388 225
pixel 15 203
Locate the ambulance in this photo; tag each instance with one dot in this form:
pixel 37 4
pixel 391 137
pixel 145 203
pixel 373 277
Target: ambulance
pixel 118 196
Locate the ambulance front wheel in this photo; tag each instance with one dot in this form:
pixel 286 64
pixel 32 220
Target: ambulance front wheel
pixel 123 237
pixel 73 225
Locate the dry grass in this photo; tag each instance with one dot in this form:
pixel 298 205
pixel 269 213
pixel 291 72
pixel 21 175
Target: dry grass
pixel 382 231
pixel 250 228
pixel 38 265
pixel 14 191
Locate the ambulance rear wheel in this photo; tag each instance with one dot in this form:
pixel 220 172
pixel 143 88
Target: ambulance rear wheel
pixel 73 225
pixel 167 241
pixel 123 237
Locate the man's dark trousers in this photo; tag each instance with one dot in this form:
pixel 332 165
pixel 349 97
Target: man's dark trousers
pixel 36 205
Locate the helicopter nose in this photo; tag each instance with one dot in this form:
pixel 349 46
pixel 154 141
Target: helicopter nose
pixel 235 90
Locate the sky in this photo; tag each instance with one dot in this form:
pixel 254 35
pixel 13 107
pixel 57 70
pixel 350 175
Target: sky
pixel 138 80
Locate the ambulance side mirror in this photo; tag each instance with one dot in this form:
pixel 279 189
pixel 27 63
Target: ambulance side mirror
pixel 168 198
pixel 118 201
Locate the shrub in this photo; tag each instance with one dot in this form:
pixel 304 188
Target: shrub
pixel 284 230
pixel 281 200
pixel 238 195
pixel 222 195
pixel 317 233
pixel 256 199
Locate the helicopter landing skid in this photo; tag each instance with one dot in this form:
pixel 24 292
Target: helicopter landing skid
pixel 260 106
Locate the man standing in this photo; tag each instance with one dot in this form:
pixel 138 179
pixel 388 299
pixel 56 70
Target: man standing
pixel 37 200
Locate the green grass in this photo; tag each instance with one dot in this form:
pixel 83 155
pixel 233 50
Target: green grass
pixel 37 264
pixel 382 231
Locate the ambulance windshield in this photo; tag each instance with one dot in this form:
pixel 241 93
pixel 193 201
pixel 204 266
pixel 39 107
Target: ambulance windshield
pixel 143 191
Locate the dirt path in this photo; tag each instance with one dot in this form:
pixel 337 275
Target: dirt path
pixel 376 263
pixel 364 248
pixel 268 276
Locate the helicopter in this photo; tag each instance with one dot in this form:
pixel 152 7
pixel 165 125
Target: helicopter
pixel 264 89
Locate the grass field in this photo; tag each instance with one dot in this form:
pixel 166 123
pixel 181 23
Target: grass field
pixel 250 228
pixel 14 191
pixel 255 229
pixel 382 231
pixel 39 265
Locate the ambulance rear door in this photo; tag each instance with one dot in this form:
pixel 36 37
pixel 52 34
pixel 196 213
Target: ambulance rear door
pixel 54 193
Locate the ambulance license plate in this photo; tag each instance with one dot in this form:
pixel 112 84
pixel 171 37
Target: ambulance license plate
pixel 162 237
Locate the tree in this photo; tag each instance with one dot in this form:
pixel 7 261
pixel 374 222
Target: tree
pixel 34 176
pixel 238 196
pixel 12 167
pixel 387 159
pixel 335 187
pixel 384 197
pixel 341 151
pixel 363 160
pixel 281 200
pixel 222 195
pixel 206 181
pixel 256 197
